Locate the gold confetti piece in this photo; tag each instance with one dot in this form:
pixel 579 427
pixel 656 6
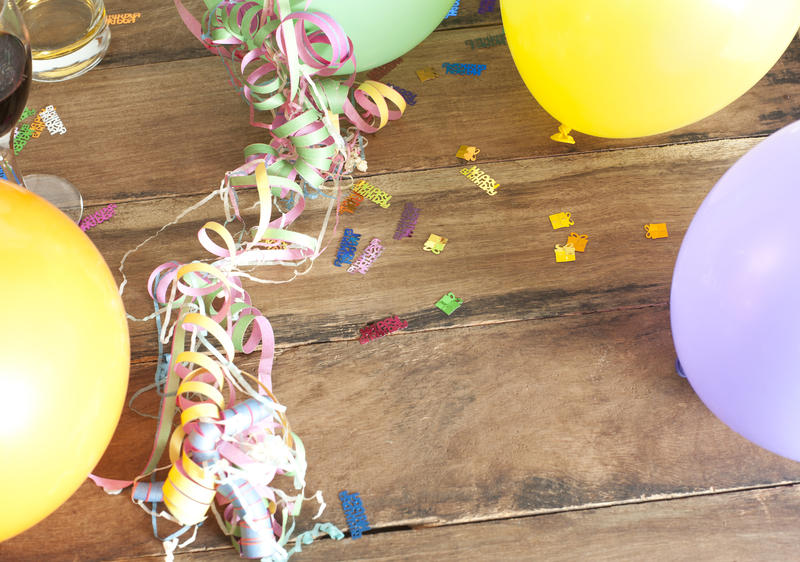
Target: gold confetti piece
pixel 468 153
pixel 435 244
pixel 656 230
pixel 481 179
pixel 426 74
pixel 578 241
pixel 565 253
pixel 561 220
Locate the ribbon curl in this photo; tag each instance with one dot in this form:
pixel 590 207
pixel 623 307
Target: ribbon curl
pixel 233 437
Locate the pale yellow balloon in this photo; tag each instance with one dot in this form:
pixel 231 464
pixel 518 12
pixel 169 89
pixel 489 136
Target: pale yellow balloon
pixel 630 68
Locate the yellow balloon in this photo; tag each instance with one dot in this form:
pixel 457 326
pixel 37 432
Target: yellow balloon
pixel 630 68
pixel 64 358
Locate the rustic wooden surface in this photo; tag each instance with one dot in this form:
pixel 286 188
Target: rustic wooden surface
pixel 543 419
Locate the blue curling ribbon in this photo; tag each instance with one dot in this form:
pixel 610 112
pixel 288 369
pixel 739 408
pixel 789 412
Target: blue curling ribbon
pixel 255 522
pixel 257 539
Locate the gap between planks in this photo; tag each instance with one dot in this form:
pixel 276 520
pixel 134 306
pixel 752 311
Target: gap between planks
pixel 282 348
pixel 496 161
pixel 189 554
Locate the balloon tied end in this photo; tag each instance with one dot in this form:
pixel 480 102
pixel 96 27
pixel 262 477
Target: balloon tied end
pixel 563 135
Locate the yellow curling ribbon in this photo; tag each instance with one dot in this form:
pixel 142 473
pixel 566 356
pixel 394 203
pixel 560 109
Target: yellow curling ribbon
pixel 203 389
pixel 214 329
pixel 206 363
pixel 230 244
pixel 271 51
pixel 188 499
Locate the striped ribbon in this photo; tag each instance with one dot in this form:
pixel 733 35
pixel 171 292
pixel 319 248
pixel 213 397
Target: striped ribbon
pixel 281 58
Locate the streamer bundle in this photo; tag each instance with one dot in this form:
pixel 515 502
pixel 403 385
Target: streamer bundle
pixel 233 437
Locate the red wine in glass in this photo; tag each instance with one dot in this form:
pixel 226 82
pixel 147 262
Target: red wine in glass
pixel 15 83
pixel 15 79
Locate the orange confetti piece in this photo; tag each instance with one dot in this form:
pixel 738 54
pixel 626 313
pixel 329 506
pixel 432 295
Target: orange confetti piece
pixel 578 241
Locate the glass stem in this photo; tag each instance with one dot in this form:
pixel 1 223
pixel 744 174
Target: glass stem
pixel 8 163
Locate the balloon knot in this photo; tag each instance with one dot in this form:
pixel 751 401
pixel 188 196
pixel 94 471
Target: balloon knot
pixel 563 135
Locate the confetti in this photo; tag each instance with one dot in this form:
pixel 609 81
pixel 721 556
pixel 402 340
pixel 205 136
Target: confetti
pixel 410 97
pixel 382 328
pixel 21 137
pixel 656 230
pixel 117 19
pixel 468 153
pixel 407 222
pixel 487 6
pixel 426 74
pixel 367 257
pixel 578 241
pixel 453 11
pixel 347 247
pixel 369 191
pixel 561 220
pixel 565 253
pixel 488 41
pixel 481 179
pixel 350 204
pixel 98 217
pixel 37 126
pixel 52 121
pixel 459 68
pixel 449 303
pixel 275 244
pixel 435 244
pixel 45 118
pixel 354 513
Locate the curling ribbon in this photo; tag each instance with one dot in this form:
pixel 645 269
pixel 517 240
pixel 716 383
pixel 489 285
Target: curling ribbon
pixel 223 449
pixel 228 453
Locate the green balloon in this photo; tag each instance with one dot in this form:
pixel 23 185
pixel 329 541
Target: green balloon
pixel 381 30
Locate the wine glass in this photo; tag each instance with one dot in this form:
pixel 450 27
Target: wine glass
pixel 15 83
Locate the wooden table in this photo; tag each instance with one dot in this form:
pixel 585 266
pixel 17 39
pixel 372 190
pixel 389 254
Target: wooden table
pixel 544 419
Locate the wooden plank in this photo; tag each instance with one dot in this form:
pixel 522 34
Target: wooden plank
pixel 474 13
pixel 135 133
pixel 159 34
pixel 496 112
pixel 462 425
pixel 190 127
pixel 499 258
pixel 750 525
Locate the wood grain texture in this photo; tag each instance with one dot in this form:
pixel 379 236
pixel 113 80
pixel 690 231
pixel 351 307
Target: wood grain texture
pixel 464 425
pixel 543 420
pixel 159 34
pixel 755 525
pixel 499 257
pixel 496 112
pixel 176 127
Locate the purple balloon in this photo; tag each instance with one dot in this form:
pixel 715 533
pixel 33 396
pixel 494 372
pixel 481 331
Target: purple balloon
pixel 735 302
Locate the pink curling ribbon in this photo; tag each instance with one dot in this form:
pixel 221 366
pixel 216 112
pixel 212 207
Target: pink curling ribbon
pixel 222 449
pixel 233 437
